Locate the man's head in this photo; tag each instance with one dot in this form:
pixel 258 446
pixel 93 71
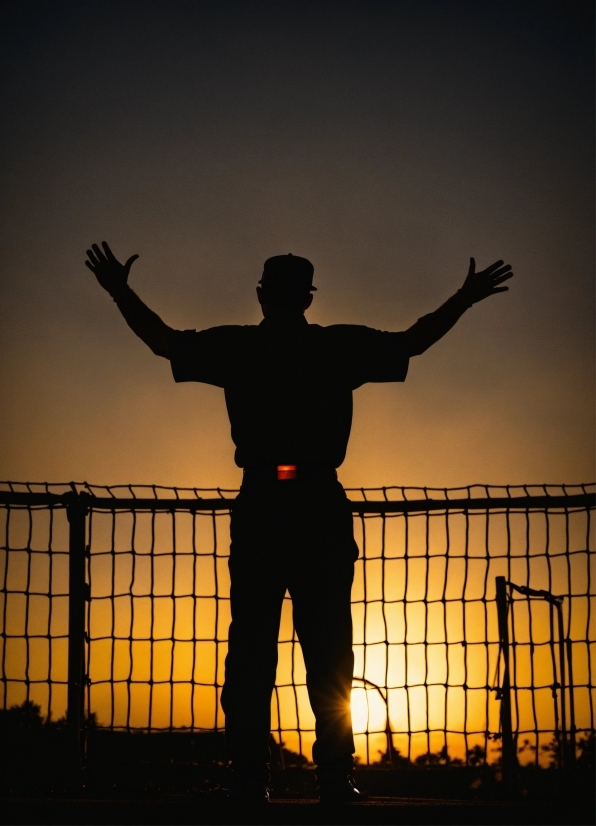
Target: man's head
pixel 286 284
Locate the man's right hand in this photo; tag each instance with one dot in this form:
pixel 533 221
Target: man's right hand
pixel 111 274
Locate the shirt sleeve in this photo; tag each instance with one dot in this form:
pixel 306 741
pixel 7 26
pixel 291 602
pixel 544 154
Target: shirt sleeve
pixel 374 355
pixel 204 356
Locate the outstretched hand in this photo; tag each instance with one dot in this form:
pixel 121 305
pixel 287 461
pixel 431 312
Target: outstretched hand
pixel 480 285
pixel 110 273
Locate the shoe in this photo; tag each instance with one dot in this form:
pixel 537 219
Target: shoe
pixel 339 789
pixel 249 797
pixel 245 790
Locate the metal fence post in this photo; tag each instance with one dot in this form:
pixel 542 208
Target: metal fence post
pixel 509 757
pixel 572 743
pixel 76 511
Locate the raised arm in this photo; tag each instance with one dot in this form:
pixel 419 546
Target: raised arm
pixel 113 277
pixel 477 286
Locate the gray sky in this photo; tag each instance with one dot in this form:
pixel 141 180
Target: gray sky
pixel 385 141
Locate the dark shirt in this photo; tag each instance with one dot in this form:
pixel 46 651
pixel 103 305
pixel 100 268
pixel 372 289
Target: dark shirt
pixel 288 384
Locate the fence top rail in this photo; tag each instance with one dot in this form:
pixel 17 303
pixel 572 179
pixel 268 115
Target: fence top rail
pixel 197 504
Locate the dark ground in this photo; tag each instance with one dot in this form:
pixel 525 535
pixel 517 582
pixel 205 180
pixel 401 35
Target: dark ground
pixel 174 779
pixel 381 810
pixel 452 796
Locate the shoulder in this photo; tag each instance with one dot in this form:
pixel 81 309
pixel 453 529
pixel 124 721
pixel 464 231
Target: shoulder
pixel 348 329
pixel 229 330
pixel 209 355
pixel 221 334
pixel 368 355
pixel 358 333
pixel 213 342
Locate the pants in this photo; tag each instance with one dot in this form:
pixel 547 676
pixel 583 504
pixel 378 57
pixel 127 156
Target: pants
pixel 295 535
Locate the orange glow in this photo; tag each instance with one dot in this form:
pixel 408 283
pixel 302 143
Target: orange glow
pixel 287 472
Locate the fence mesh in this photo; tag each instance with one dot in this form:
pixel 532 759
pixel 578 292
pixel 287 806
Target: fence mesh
pixel 426 636
pixel 34 596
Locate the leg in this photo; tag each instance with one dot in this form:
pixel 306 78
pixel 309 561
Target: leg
pixel 321 586
pixel 257 591
pixel 323 621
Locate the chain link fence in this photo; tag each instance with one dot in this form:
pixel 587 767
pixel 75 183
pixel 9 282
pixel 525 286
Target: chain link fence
pixel 115 607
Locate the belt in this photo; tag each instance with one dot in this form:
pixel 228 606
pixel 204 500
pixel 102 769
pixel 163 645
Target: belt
pixel 289 473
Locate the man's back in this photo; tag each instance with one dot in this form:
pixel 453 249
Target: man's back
pixel 288 384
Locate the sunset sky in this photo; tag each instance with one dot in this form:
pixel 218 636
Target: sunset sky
pixel 385 141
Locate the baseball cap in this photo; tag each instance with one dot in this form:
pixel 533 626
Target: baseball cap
pixel 287 272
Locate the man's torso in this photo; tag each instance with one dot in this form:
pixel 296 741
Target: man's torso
pixel 288 384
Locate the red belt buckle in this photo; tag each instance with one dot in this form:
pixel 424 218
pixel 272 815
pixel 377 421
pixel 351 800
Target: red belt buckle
pixel 286 472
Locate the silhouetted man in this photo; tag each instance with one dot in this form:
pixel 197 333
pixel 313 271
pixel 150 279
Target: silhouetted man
pixel 288 387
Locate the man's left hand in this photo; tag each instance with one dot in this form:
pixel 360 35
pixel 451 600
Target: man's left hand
pixel 480 285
